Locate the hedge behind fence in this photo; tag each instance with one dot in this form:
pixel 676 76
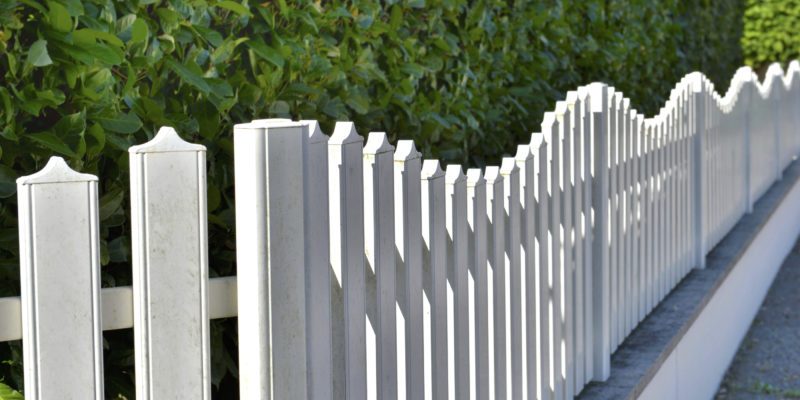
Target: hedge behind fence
pixel 468 80
pixel 770 32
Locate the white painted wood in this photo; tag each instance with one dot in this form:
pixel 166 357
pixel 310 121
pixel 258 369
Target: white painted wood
pixel 698 100
pixel 434 267
pixel 529 300
pixel 318 270
pixel 380 254
pixel 271 259
pixel 496 282
pixel 169 229
pixel 564 116
pixel 60 284
pixel 601 327
pixel 408 243
pixel 577 108
pixel 345 185
pixel 513 276
pixel 458 299
pixel 550 129
pixel 477 264
pixel 539 150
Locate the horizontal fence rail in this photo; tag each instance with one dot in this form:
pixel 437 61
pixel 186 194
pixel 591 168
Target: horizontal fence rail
pixel 365 271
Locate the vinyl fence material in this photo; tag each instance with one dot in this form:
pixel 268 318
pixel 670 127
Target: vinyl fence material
pixel 365 271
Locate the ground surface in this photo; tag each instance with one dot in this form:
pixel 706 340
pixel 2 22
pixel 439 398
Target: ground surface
pixel 767 365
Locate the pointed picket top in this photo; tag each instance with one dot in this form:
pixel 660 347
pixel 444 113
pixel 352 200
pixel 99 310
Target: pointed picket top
pixel 166 141
pixel 547 121
pixel 695 81
pixel 508 166
pixel 794 66
pixel 523 153
pixel 56 171
pixel 561 108
pixel 377 143
pixel 595 92
pixel 475 177
pixel 492 175
pixel 626 103
pixel 315 134
pixel 537 141
pixel 431 170
pixel 406 151
pixel 572 97
pixel 453 174
pixel 345 133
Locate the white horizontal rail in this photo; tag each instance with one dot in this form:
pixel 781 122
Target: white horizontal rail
pixel 117 307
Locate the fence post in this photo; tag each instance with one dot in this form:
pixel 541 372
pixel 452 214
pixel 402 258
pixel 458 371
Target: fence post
pixel 525 164
pixel 318 269
pixel 408 241
pixel 271 259
pixel 513 274
pixel 379 242
pixel 601 346
pixel 699 103
pixel 60 281
pixel 169 226
pixel 479 312
pixel 457 275
pixel 345 182
pixel 542 217
pixel 434 262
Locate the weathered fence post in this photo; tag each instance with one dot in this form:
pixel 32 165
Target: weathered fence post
pixel 601 333
pixel 699 99
pixel 271 257
pixel 60 280
pixel 169 225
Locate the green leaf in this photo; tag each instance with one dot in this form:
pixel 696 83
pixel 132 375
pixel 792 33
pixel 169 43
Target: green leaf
pixel 7 393
pixel 110 203
pixel 122 123
pixel 266 52
pixel 58 16
pixel 235 7
pixel 52 142
pixel 8 187
pixel 139 32
pixel 188 76
pixel 37 54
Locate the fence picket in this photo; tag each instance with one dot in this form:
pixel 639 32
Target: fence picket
pixel 496 279
pixel 170 268
pixel 528 301
pixel 477 264
pixel 513 275
pixel 458 299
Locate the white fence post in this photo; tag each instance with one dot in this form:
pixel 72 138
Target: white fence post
pixel 529 303
pixel 542 291
pixel 457 276
pixel 271 259
pixel 435 278
pixel 699 104
pixel 169 226
pixel 345 183
pixel 318 269
pixel 408 241
pixel 379 242
pixel 60 278
pixel 479 306
pixel 513 278
pixel 601 333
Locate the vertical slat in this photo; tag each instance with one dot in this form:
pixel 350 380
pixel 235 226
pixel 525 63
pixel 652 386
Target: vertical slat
pixel 525 163
pixel 458 298
pixel 578 290
pixel 496 278
pixel 170 268
pixel 564 115
pixel 601 328
pixel 550 129
pixel 408 242
pixel 542 292
pixel 434 263
pixel 477 260
pixel 613 204
pixel 513 279
pixel 587 157
pixel 630 277
pixel 379 249
pixel 60 284
pixel 345 183
pixel 318 270
pixel 271 259
pixel 698 101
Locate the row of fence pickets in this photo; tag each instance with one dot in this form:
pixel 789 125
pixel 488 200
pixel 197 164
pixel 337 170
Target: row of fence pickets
pixel 364 271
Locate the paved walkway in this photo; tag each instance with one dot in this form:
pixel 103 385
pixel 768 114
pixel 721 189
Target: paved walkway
pixel 767 365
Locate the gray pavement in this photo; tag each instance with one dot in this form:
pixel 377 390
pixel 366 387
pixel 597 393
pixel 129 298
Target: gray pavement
pixel 767 365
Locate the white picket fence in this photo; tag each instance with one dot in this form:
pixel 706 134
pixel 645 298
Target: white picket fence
pixel 367 272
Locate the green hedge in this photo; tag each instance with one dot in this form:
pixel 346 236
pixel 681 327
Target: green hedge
pixel 770 32
pixel 468 80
